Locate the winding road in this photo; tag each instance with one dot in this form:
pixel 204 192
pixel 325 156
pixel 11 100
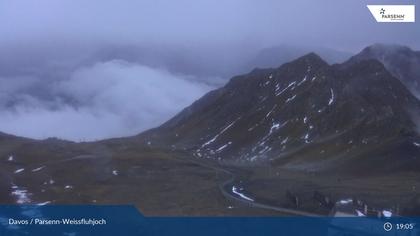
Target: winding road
pixel 226 190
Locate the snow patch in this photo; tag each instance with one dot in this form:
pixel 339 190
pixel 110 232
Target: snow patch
pixel 221 132
pixel 38 169
pixel 345 201
pixel 276 126
pixel 223 147
pixel 19 170
pixel 51 181
pixel 253 127
pixel 331 98
pixel 386 213
pixel 359 213
pixel 282 91
pixel 235 191
pixel 43 203
pixel 271 111
pixel 21 195
pixel 306 137
pixel 291 98
pixel 303 81
pixel 265 149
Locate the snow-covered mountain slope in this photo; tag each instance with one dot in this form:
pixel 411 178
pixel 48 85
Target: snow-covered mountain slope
pixel 304 114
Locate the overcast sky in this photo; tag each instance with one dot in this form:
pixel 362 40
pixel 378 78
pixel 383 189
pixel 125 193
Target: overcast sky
pixel 344 24
pixel 113 68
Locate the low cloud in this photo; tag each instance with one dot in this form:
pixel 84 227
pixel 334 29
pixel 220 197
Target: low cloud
pixel 108 99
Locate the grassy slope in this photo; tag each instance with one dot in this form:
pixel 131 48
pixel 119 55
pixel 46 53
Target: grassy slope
pixel 158 182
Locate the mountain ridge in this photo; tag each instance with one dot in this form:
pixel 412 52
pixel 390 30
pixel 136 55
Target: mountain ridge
pixel 289 104
pixel 401 61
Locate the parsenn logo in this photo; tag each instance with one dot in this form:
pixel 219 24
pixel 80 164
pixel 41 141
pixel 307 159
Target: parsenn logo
pixel 393 13
pixel 382 11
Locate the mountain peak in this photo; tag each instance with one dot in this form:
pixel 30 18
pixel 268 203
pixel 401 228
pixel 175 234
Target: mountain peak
pixel 312 59
pixel 400 60
pixel 385 49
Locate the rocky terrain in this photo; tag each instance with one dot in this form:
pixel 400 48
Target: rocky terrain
pixel 346 130
pixel 401 61
pixel 305 114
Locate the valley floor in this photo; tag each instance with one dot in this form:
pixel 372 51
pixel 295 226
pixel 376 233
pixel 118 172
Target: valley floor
pixel 159 183
pixel 398 193
pixel 170 183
